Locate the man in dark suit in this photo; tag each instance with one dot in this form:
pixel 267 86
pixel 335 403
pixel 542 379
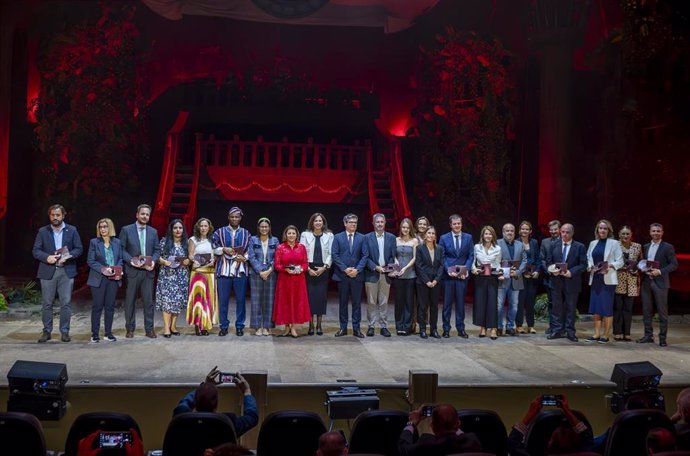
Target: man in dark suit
pixel 139 239
pixel 655 282
pixel 447 437
pixel 459 251
pixel 546 244
pixel 349 252
pixel 381 252
pixel 56 270
pixel 566 286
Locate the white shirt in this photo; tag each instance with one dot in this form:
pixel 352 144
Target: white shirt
pixel 379 240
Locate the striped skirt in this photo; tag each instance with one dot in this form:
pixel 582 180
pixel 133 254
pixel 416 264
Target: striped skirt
pixel 202 304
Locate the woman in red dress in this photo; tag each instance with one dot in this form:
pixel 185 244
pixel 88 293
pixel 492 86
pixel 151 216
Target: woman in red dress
pixel 291 305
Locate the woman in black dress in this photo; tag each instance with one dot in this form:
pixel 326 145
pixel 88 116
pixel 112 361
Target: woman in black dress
pixel 318 241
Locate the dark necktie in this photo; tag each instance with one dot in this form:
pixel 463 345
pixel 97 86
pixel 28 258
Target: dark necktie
pixel 565 251
pixel 350 241
pixel 457 244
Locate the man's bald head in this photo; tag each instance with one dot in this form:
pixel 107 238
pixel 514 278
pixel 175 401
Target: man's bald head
pixel 444 419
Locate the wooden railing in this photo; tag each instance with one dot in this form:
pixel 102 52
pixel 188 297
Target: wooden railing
pixel 273 154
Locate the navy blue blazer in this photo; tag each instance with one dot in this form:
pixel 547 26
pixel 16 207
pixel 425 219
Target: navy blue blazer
pixel 129 237
pixel 370 274
pixel 95 258
pixel 255 254
pixel 666 256
pixel 343 259
pixel 533 255
pixel 452 258
pixel 577 263
pixel 44 246
pixel 427 270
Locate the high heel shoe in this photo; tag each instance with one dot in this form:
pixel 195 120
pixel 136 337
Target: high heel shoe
pixel 197 330
pixel 174 333
pixel 493 335
pixel 311 329
pixel 319 331
pixel 204 332
pixel 293 333
pixel 167 336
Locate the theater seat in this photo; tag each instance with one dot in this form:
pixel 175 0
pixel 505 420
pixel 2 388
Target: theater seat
pixel 87 423
pixel 189 434
pixel 673 453
pixel 543 425
pixel 22 430
pixel 629 430
pixel 299 431
pixel 377 432
pixel 488 427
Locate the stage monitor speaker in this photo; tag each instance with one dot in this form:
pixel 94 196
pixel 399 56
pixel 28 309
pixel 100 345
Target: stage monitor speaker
pixel 639 376
pixel 45 408
pixel 37 379
pixel 349 402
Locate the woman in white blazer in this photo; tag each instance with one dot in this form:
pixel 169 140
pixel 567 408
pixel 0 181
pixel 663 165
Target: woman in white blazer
pixel 604 257
pixel 318 241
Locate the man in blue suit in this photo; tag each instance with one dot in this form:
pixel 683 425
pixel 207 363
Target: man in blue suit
pixel 459 251
pixel 56 270
pixel 566 286
pixel 139 239
pixel 349 252
pixel 381 252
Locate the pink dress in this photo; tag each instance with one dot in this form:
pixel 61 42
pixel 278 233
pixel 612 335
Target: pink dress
pixel 291 305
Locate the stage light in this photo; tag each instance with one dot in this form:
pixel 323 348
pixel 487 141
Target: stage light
pixel 636 387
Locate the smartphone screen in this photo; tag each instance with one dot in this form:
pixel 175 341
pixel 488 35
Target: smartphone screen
pixel 427 410
pixel 227 378
pixel 114 439
pixel 549 400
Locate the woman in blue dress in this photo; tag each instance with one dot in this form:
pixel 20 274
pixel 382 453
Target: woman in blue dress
pixel 604 257
pixel 173 277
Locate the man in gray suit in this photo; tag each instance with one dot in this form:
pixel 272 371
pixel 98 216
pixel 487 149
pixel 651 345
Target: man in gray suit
pixel 656 283
pixel 381 249
pixel 511 251
pixel 139 239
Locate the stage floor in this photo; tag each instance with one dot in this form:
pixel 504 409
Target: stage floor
pixel 508 361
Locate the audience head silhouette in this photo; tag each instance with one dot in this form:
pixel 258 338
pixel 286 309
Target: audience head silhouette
pixel 332 444
pixel 444 419
pixel 206 398
pixel 660 440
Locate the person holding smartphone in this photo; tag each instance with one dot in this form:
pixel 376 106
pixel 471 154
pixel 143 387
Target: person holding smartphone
pixel 575 438
pixel 205 399
pixel 100 442
pixel 447 437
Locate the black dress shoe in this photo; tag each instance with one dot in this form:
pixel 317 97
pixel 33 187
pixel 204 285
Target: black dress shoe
pixel 311 331
pixel 662 342
pixel 554 335
pixel 423 335
pixel 385 332
pixel 446 334
pixel 499 332
pixel 341 333
pixel 645 340
pixel 319 331
pixel 463 334
pixel 572 338
pixel 239 332
pixel 371 332
pixel 223 332
pixel 357 333
pixel 175 333
pixel 435 334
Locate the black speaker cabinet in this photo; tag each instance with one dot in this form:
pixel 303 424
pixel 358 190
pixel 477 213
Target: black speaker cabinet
pixel 640 376
pixel 45 408
pixel 37 379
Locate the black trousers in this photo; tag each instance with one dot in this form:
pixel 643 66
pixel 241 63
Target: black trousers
pixel 485 310
pixel 427 301
pixel 103 301
pixel 404 294
pixel 622 314
pixel 649 289
pixel 526 300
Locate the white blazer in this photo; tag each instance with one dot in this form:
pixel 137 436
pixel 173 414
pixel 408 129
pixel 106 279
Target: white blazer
pixel 307 239
pixel 613 254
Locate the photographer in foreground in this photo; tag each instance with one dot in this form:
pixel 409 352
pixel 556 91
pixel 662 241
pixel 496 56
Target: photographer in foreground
pixel 205 399
pixel 447 437
pixel 576 437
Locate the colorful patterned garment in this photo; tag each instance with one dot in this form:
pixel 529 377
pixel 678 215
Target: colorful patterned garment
pixel 226 266
pixel 202 306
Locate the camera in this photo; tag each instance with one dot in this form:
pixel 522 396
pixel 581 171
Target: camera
pixel 226 377
pixel 427 410
pixel 114 439
pixel 551 400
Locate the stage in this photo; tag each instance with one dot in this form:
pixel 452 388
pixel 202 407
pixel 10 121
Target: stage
pixel 508 361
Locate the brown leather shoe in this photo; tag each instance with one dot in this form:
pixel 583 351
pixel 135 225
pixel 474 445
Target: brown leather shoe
pixel 129 334
pixel 151 334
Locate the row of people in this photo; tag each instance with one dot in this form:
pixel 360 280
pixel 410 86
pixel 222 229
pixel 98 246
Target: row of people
pixel 289 279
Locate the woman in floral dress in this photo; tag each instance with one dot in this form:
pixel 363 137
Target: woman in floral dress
pixel 173 277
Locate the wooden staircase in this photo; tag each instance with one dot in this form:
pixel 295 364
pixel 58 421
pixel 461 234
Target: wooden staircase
pixel 182 191
pixel 383 194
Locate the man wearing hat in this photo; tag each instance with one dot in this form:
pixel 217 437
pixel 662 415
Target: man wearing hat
pixel 230 247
